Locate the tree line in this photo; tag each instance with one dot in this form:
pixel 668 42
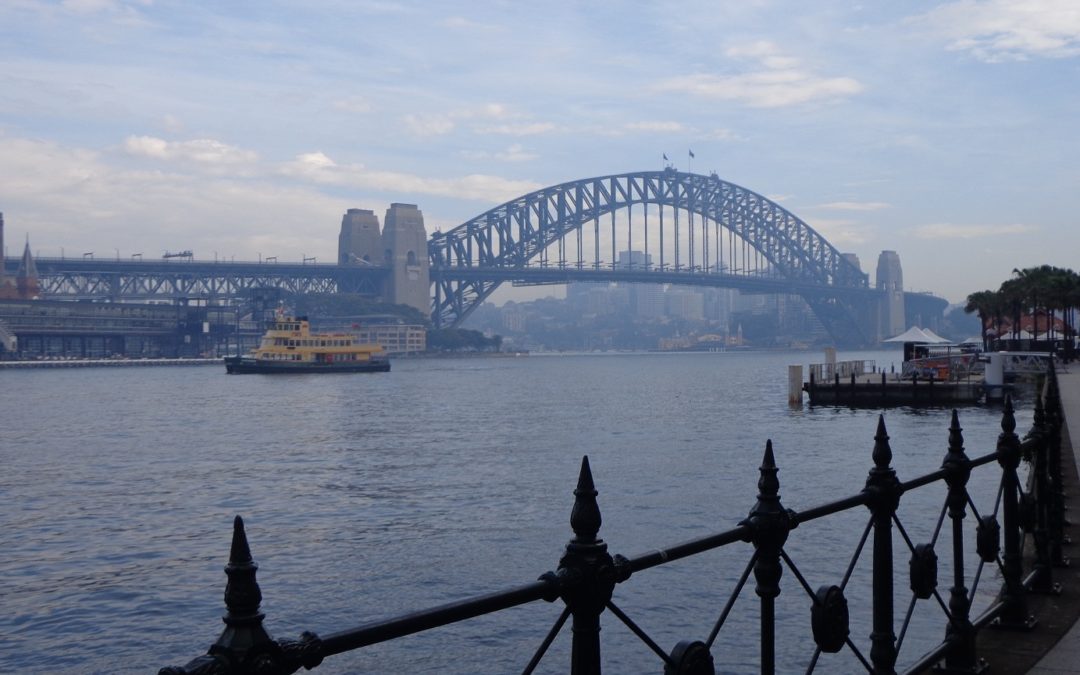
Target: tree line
pixel 1043 294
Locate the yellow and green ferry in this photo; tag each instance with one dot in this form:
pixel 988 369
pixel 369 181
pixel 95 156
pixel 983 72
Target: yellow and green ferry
pixel 289 346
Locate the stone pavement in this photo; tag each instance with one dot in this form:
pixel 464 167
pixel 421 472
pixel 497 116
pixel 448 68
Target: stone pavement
pixel 1064 657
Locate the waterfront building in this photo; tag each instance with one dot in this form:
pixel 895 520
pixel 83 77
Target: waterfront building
pixel 395 339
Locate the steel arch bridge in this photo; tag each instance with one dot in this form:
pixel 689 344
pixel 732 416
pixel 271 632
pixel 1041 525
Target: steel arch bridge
pixel 689 229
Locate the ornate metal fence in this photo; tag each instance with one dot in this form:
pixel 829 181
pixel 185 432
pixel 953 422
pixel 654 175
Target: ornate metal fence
pixel 587 574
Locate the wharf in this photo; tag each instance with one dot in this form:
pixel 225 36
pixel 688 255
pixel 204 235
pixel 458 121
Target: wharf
pixel 107 363
pixel 880 389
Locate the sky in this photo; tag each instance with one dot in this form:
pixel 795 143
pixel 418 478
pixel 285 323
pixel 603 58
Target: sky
pixel 946 131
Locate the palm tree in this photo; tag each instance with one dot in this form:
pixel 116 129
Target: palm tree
pixel 1013 296
pixel 984 304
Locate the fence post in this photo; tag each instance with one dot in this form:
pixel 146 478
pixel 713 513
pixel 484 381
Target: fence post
pixel 589 574
pixel 1056 499
pixel 884 496
pixel 1040 437
pixel 245 646
pixel 961 656
pixel 771 523
pixel 1014 596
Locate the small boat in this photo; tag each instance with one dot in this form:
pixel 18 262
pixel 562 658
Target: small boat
pixel 289 346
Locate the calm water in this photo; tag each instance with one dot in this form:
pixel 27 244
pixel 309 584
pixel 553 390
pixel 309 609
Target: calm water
pixel 369 495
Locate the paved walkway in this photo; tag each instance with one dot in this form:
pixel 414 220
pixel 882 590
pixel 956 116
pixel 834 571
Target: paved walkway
pixel 1064 657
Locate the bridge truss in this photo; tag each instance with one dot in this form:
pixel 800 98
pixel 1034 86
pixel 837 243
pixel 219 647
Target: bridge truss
pixel 689 229
pixel 213 282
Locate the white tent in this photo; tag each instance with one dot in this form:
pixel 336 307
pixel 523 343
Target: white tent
pixel 934 337
pixel 914 334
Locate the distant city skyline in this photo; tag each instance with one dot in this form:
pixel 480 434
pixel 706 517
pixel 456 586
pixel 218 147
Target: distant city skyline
pixel 945 131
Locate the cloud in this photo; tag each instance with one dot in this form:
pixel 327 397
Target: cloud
pixel 951 231
pixel 722 135
pixel 201 150
pixel 461 23
pixel 768 89
pixel 1005 30
pixel 353 104
pixel 522 129
pixel 318 168
pixel 88 200
pixel 172 124
pixel 853 206
pixel 839 232
pixel 90 6
pixel 657 126
pixel 79 199
pixel 777 82
pixel 514 153
pixel 439 124
pixel 429 125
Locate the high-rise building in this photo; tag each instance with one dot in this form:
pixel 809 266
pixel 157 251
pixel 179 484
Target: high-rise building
pixel 890 283
pixel 685 304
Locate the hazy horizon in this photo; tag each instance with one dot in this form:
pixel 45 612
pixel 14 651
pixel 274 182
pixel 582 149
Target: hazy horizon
pixel 945 131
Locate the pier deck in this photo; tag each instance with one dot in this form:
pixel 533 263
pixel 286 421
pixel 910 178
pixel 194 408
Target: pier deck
pixel 883 389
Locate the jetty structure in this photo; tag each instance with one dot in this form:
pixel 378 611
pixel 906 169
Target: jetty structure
pixel 934 372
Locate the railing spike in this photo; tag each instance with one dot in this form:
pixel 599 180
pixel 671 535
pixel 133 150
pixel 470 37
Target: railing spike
pixel 882 454
pixel 585 519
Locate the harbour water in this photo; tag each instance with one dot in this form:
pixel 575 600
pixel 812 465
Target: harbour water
pixel 370 495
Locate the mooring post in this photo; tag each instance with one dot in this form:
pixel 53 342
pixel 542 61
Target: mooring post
pixel 884 496
pixel 771 524
pixel 961 656
pixel 1015 614
pixel 589 574
pixel 245 646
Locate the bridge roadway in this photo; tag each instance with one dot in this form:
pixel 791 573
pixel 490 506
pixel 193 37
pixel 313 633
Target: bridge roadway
pixel 1058 614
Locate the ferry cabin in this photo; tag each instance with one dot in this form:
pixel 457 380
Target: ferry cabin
pixel 291 340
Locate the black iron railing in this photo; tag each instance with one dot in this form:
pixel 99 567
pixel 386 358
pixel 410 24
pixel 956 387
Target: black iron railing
pixel 587 573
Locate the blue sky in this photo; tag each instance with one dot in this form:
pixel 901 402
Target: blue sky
pixel 947 131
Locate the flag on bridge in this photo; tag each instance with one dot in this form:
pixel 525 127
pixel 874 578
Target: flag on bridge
pixel 691 153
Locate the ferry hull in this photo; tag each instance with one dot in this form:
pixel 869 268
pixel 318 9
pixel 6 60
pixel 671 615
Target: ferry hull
pixel 238 365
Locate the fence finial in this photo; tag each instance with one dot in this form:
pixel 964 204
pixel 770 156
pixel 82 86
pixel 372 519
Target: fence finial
pixel 585 517
pixel 882 454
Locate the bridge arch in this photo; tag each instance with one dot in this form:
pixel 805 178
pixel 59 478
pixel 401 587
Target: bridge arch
pixel 563 232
